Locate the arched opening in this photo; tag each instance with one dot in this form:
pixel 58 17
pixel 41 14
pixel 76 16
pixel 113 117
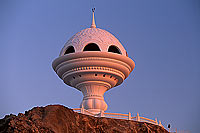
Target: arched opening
pixel 70 49
pixel 91 47
pixel 114 49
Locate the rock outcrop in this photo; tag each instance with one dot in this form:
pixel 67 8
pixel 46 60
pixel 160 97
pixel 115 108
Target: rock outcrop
pixel 60 119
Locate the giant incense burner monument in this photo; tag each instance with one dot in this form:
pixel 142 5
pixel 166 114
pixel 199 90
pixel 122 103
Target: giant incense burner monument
pixel 93 61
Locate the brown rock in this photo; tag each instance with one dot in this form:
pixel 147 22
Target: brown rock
pixel 60 119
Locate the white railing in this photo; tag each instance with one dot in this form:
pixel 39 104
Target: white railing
pixel 119 116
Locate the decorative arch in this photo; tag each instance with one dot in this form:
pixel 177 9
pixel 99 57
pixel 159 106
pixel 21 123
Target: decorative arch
pixel 70 49
pixel 114 49
pixel 91 47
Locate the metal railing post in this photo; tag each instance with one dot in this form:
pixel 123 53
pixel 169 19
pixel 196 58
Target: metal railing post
pixel 156 121
pixel 82 109
pixel 101 113
pixel 160 123
pixel 129 116
pixel 137 117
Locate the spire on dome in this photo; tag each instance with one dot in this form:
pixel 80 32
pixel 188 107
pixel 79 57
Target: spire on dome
pixel 93 25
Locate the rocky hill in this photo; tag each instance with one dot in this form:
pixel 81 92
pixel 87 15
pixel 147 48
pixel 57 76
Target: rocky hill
pixel 60 119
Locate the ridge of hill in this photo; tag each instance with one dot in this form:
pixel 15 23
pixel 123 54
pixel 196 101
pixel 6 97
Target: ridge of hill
pixel 60 119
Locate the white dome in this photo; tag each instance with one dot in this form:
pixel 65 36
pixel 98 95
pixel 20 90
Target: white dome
pixel 101 38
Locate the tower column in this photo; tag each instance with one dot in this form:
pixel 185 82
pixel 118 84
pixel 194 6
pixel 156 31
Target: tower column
pixel 93 92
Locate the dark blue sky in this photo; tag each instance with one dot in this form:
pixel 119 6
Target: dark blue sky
pixel 163 38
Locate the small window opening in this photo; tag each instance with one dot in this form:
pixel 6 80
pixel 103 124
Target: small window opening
pixel 104 75
pixel 70 49
pixel 95 74
pixel 91 47
pixel 114 49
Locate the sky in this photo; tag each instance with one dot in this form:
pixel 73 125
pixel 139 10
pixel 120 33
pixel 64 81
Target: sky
pixel 162 37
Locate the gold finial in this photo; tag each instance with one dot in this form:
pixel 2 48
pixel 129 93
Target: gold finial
pixel 93 25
